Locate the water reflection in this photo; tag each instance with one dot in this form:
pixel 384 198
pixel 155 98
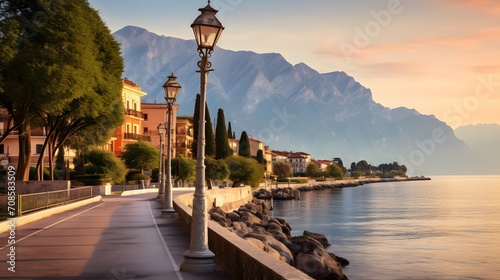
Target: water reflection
pixel 447 228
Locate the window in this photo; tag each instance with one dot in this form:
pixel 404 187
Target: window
pixel 145 130
pixel 128 104
pixel 145 117
pixel 2 149
pixel 128 128
pixel 39 148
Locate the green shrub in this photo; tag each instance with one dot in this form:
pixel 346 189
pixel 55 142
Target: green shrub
pixel 138 177
pixel 93 179
pixel 33 176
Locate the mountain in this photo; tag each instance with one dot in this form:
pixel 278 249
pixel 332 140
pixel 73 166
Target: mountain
pixel 293 107
pixel 484 141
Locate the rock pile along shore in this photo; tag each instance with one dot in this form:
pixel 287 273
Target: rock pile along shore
pixel 273 235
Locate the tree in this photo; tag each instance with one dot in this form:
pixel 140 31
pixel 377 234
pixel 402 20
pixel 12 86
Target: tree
pixel 244 170
pixel 106 163
pixel 52 54
pixel 260 157
pixel 244 146
pixel 229 131
pixel 141 155
pixel 282 169
pixel 362 165
pixel 312 170
pixel 184 169
pixel 209 132
pixel 216 169
pixel 335 171
pixel 196 118
pixel 222 148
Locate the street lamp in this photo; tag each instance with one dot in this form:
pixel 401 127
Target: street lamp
pixel 171 88
pixel 207 30
pixel 161 179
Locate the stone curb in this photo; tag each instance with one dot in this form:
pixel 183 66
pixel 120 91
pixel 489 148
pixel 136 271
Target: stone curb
pixel 4 226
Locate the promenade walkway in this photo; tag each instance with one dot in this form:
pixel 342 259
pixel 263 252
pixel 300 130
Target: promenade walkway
pixel 120 238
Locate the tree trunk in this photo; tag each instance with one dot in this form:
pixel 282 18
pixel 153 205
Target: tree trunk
pixel 24 161
pixel 51 161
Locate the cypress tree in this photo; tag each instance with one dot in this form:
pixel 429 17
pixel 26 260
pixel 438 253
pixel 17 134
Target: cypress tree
pixel 229 131
pixel 196 117
pixel 244 147
pixel 209 131
pixel 209 134
pixel 260 156
pixel 222 148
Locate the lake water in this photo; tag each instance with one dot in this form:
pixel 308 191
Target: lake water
pixel 447 228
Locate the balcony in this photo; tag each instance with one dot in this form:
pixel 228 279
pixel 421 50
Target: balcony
pixel 184 132
pixel 183 146
pixel 37 132
pixel 134 113
pixel 134 136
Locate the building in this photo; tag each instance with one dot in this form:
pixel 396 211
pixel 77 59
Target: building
pixel 255 146
pixel 184 136
pixel 298 160
pixel 322 164
pixel 131 130
pixel 9 148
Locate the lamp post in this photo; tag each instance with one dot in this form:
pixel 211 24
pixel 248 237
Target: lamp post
pixel 207 30
pixel 161 191
pixel 171 88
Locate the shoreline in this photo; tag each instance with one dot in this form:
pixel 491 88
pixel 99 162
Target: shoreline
pixel 290 191
pixel 345 183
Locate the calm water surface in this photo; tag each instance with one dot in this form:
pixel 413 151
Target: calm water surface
pixel 446 228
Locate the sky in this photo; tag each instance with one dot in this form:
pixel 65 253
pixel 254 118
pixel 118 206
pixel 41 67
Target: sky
pixel 440 57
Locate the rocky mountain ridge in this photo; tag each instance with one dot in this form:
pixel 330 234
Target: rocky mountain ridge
pixel 294 107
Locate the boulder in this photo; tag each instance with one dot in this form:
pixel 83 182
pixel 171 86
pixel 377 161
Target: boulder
pixel 233 216
pixel 263 194
pixel 260 245
pixel 319 237
pixel 342 261
pixel 221 220
pixel 314 260
pixel 217 210
pixel 273 245
pixel 250 219
pixel 284 193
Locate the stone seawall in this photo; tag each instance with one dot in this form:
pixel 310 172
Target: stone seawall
pixel 236 255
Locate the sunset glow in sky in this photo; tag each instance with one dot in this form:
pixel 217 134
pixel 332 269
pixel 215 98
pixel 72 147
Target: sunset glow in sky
pixel 440 57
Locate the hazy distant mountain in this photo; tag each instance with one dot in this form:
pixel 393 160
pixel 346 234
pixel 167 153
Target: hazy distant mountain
pixel 484 141
pixel 293 107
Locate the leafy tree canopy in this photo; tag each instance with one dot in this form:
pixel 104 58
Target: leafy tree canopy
pixel 244 170
pixel 111 166
pixel 282 169
pixel 141 155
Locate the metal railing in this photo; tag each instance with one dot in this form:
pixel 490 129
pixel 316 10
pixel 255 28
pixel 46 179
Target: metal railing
pixel 135 136
pixel 36 201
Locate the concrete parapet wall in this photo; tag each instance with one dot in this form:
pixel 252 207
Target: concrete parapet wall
pixel 228 198
pixel 233 253
pixel 25 187
pixel 141 191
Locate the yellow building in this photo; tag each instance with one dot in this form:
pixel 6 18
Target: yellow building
pixel 131 130
pixel 184 136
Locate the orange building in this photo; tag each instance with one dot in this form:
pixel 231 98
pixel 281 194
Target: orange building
pixel 155 114
pixel 131 130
